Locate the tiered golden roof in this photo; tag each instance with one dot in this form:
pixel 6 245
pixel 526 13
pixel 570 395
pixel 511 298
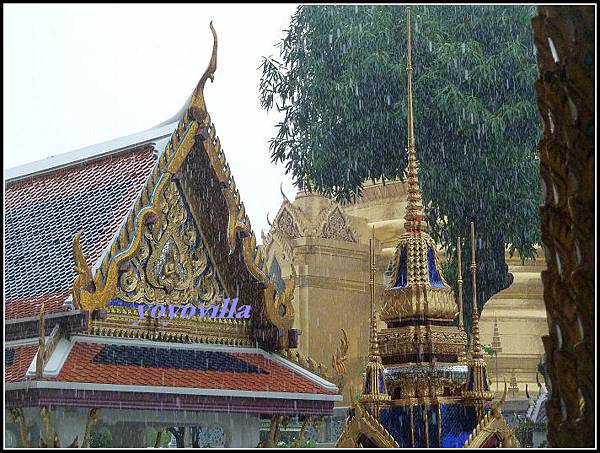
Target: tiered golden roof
pixel 437 398
pixel 414 296
pixel 419 306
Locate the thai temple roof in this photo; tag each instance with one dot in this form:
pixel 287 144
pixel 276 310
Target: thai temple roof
pixel 154 217
pixel 46 209
pixel 196 371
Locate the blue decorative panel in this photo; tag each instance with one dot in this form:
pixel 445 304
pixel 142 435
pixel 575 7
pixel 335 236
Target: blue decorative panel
pixel 434 277
pixel 120 303
pixel 432 421
pixel 401 278
pixel 396 421
pixel 381 383
pixel 368 383
pixel 174 358
pixel 419 425
pixel 471 383
pixel 457 424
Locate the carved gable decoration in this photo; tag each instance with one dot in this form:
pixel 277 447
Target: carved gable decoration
pixel 287 225
pixel 364 430
pixel 171 264
pixel 337 227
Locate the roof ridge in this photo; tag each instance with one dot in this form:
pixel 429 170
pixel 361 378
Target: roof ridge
pixel 92 152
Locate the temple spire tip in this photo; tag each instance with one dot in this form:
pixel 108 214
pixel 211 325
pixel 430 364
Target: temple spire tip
pixel 414 219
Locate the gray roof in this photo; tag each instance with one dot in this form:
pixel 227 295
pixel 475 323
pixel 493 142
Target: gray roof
pixel 158 135
pixel 48 201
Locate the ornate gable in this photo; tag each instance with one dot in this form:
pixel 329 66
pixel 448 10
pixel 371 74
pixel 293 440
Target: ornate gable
pixel 187 238
pixel 289 223
pixel 492 430
pixel 286 224
pixel 364 430
pixel 336 226
pixel 171 264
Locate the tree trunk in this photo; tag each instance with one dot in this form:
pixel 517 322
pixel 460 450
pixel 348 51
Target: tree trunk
pixel 564 39
pixel 492 273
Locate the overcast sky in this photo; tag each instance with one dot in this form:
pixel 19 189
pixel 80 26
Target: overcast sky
pixel 78 75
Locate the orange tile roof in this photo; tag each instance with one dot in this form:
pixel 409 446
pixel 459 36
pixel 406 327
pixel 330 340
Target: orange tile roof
pixel 79 367
pixel 30 306
pixel 43 213
pixel 23 355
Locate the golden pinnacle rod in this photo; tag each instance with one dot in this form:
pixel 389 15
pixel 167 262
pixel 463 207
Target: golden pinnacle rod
pixel 371 279
pixel 473 270
pixel 409 68
pixel 475 327
pixel 460 283
pixel 373 268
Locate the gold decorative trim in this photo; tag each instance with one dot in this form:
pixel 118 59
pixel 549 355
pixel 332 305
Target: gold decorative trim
pixel 278 308
pixel 307 363
pixel 118 323
pixel 338 362
pixel 364 424
pixel 238 222
pixel 41 353
pixel 418 298
pixel 492 423
pixel 19 418
pixel 171 263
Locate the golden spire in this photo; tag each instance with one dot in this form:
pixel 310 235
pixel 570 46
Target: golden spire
pixel 414 217
pixel 475 328
pixel 374 392
pixel 460 282
pixel 477 386
pixel 374 355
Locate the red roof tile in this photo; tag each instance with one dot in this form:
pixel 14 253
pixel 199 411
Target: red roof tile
pixel 15 369
pixel 44 212
pixel 275 377
pixel 30 306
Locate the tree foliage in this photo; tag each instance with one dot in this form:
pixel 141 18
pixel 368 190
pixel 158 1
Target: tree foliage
pixel 340 81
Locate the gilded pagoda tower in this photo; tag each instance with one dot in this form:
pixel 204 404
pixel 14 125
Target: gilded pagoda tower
pixel 434 395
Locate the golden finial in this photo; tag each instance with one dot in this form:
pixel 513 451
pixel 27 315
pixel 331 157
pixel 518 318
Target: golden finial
pixel 374 392
pixel 475 328
pixel 460 282
pixel 497 406
pixel 414 219
pixel 374 355
pixel 197 104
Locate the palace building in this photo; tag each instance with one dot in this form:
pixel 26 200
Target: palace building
pixel 154 218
